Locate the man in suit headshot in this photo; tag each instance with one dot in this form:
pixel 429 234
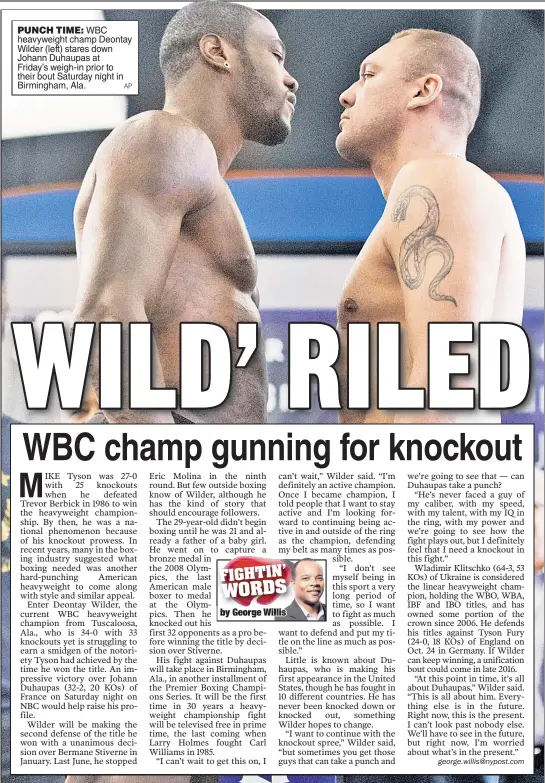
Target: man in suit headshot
pixel 307 581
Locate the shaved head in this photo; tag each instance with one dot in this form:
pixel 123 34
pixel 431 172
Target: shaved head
pixel 450 58
pixel 226 55
pixel 180 42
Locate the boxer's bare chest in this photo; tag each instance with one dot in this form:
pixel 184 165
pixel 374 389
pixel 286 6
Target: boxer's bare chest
pixel 214 242
pixel 213 279
pixel 372 290
pixel 371 294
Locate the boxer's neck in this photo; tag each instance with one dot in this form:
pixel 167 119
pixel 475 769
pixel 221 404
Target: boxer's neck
pixel 414 143
pixel 204 102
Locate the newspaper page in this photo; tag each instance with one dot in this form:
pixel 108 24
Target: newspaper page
pixel 282 221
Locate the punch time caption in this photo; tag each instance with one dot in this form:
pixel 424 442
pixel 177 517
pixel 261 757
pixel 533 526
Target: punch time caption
pixel 61 53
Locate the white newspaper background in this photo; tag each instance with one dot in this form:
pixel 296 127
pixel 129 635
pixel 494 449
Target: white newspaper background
pixel 151 573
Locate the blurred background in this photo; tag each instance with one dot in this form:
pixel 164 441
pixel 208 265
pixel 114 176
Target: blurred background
pixel 308 212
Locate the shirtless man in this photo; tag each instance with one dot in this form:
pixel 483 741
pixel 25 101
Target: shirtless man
pixel 159 236
pixel 448 246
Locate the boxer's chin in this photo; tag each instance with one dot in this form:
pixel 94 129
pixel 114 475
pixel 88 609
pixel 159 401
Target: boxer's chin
pixel 269 131
pixel 344 147
pixel 351 149
pixel 278 131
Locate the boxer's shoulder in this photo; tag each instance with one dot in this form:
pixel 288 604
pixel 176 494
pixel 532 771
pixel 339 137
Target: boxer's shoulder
pixel 451 177
pixel 160 153
pixel 160 129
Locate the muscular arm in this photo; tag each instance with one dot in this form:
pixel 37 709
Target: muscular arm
pixel 149 174
pixel 445 236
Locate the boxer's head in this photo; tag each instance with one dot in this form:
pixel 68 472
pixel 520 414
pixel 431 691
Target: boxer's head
pixel 419 76
pixel 241 47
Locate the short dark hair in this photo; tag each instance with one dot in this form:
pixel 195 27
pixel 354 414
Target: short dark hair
pixel 180 41
pixel 303 560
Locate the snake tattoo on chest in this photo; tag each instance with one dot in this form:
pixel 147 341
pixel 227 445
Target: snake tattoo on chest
pixel 422 243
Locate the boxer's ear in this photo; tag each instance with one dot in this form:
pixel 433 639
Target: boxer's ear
pixel 215 51
pixel 426 90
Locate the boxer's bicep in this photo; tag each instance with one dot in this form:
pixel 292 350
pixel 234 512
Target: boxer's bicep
pixel 447 254
pixel 124 255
